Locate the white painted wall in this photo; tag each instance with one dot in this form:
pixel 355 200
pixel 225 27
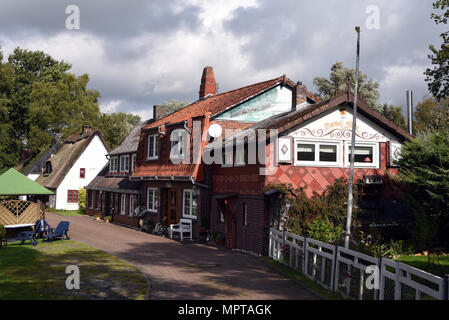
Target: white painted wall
pixel 93 160
pixel 33 176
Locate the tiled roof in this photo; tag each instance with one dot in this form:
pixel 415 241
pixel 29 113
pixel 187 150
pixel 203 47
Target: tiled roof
pixel 220 102
pixel 211 105
pixel 130 143
pixel 113 183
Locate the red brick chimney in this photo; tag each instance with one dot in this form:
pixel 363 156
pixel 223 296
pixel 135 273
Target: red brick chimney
pixel 207 82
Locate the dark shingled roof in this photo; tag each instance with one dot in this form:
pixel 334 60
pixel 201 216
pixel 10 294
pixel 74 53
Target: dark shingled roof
pixel 113 183
pixel 66 157
pixel 130 143
pixel 39 162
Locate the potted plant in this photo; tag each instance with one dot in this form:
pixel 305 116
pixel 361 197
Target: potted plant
pixel 2 234
pixel 107 219
pixel 97 217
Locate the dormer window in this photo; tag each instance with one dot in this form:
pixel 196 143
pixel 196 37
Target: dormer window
pixel 113 164
pixel 124 163
pixel 82 173
pixel 153 147
pixel 48 167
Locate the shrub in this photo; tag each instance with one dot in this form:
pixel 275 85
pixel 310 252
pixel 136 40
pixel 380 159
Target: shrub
pixel 82 201
pixel 324 230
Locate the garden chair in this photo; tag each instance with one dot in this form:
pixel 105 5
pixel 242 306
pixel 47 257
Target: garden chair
pixel 41 227
pixel 184 226
pixel 61 231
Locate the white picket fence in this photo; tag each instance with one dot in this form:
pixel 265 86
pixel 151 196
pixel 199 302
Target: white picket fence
pixel 345 271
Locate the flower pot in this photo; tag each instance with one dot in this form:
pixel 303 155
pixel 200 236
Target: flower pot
pixel 106 221
pixel 98 219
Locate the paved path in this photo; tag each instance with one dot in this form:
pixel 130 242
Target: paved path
pixel 185 271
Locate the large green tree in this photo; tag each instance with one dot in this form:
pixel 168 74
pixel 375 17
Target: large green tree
pixel 424 171
pixel 438 74
pixel 59 109
pixel 338 76
pixel 116 126
pixel 30 67
pixel 7 143
pixel 394 114
pixel 431 114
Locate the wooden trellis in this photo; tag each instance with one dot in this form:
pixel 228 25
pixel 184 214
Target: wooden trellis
pixel 19 212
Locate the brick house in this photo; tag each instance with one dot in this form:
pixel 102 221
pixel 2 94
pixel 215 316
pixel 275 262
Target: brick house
pixel 176 182
pixel 312 150
pixel 111 193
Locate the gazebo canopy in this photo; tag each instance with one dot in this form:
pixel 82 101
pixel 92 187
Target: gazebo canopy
pixel 12 182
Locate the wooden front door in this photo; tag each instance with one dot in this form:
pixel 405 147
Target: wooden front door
pixel 229 226
pixel 172 206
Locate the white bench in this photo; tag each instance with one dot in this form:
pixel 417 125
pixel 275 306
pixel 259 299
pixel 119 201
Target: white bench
pixel 184 226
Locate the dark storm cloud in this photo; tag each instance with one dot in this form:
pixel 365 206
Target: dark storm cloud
pixel 145 52
pixel 294 30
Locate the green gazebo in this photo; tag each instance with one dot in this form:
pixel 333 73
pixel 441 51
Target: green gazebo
pixel 18 212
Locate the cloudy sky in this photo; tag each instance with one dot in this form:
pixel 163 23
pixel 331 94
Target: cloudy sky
pixel 140 53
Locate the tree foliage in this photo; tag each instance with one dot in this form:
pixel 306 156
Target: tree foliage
pixel 41 102
pixel 173 105
pixel 338 76
pixel 395 115
pixel 438 75
pixel 328 209
pixel 431 114
pixel 424 170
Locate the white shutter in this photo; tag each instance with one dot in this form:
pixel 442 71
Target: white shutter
pixel 285 150
pixel 395 152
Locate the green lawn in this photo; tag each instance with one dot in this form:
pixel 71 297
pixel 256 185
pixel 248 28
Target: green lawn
pixel 420 262
pixel 28 272
pixel 65 212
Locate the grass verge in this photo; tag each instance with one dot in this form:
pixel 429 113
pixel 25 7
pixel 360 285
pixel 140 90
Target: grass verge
pixel 65 212
pixel 303 280
pixel 439 267
pixel 32 273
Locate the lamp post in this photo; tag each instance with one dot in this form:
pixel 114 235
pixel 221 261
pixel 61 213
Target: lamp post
pixel 351 170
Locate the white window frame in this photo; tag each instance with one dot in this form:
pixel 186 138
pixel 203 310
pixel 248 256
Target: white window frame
pixel 113 164
pixel 131 205
pixel 376 158
pixel 240 153
pixel 124 163
pixel 189 214
pixel 155 149
pixel 123 204
pixel 317 162
pixel 133 162
pixel 155 198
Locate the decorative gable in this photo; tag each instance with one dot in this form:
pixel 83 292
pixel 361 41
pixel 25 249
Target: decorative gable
pixel 337 125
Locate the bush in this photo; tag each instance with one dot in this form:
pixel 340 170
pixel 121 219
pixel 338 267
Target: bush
pixel 82 201
pixel 323 229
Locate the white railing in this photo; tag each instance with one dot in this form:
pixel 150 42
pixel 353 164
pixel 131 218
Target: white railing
pixel 345 271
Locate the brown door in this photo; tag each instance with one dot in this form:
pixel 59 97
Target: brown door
pixel 230 230
pixel 172 206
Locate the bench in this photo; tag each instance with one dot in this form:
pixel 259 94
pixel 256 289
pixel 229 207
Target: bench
pixel 184 226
